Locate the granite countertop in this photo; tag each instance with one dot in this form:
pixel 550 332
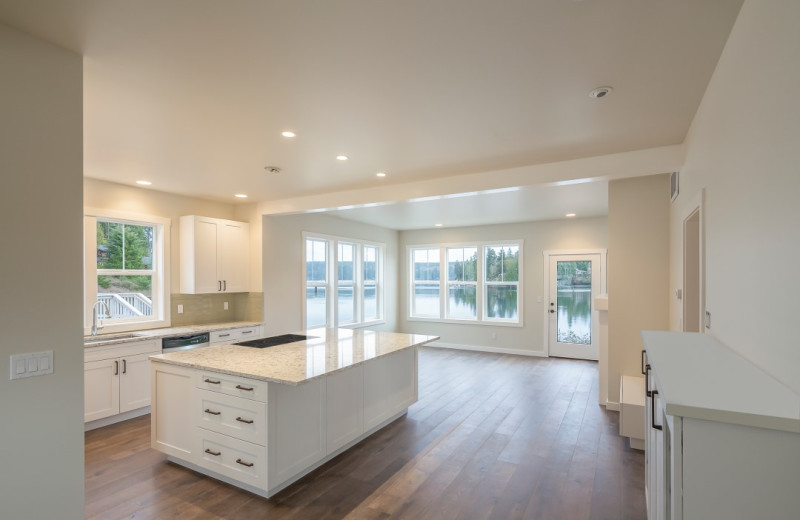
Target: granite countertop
pixel 328 351
pixel 128 337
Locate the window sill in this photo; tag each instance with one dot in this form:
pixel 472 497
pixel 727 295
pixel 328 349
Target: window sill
pixel 363 325
pixel 467 322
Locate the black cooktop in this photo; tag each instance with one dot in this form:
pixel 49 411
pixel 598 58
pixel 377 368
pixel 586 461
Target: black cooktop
pixel 273 341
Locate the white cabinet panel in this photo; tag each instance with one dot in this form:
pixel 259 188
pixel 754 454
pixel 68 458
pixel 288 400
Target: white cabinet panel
pixel 345 408
pixel 134 382
pixel 389 386
pixel 215 255
pixel 171 426
pixel 101 389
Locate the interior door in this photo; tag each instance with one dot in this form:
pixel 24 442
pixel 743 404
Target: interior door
pixel 574 282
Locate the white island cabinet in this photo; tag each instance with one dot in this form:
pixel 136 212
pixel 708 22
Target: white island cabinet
pixel 262 418
pixel 722 438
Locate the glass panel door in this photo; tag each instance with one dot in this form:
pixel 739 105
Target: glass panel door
pixel 574 282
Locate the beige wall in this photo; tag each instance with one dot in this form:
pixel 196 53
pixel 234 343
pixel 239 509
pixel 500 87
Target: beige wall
pixel 41 436
pixel 638 270
pixel 588 233
pixel 743 149
pixel 283 261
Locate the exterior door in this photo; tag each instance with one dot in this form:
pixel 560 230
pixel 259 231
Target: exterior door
pixel 574 281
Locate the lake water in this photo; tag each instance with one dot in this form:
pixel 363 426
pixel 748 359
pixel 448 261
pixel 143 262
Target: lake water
pixel 575 316
pixel 316 305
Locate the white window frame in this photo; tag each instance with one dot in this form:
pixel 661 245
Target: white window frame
pixel 331 295
pixel 160 272
pixel 325 284
pixel 481 284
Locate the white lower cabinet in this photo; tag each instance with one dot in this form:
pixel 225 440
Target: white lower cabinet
pixel 222 337
pixel 117 379
pixel 264 436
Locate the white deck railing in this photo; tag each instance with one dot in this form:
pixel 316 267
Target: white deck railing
pixel 127 305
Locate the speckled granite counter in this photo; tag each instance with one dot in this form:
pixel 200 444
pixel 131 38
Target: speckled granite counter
pixel 127 337
pixel 293 363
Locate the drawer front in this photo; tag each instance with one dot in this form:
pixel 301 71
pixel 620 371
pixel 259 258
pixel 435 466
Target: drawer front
pixel 234 335
pixel 233 416
pixel 233 385
pixel 120 350
pixel 236 459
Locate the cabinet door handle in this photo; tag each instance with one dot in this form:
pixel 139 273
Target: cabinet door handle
pixel 246 421
pixel 243 463
pixel 648 392
pixel 247 332
pixel 224 285
pixel 210 381
pixel 643 363
pixel 224 335
pixel 124 366
pixel 212 412
pixel 653 395
pixel 219 285
pixel 212 452
pixel 245 388
pixel 116 368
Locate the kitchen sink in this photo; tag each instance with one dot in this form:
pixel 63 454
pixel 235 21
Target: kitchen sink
pixel 273 341
pixel 87 340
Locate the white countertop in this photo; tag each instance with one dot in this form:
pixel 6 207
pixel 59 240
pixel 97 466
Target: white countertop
pixel 294 363
pixel 139 335
pixel 699 377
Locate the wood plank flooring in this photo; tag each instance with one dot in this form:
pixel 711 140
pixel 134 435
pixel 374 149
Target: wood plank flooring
pixel 492 437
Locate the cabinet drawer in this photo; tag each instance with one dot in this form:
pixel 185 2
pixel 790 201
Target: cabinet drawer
pixel 236 459
pixel 233 385
pixel 234 335
pixel 240 418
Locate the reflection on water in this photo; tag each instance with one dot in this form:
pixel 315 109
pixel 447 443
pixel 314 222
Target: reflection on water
pixel 501 301
pixel 316 305
pixel 575 316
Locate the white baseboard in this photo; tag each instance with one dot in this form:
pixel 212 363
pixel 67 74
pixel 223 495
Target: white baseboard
pixel 490 350
pixel 610 405
pixel 99 423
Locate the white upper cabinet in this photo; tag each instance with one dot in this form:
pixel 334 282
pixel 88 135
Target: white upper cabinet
pixel 215 255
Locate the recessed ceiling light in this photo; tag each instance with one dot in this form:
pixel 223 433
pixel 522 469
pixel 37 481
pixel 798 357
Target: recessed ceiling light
pixel 380 174
pixel 144 183
pixel 288 133
pixel 341 157
pixel 240 196
pixel 600 92
pixel 438 225
pixel 570 215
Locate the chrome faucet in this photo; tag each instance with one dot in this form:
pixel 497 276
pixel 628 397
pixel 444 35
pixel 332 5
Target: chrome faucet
pixel 96 319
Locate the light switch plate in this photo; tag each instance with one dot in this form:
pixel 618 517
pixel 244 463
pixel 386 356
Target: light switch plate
pixel 31 364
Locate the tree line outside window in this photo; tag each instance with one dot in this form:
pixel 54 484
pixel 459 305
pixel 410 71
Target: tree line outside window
pixel 477 282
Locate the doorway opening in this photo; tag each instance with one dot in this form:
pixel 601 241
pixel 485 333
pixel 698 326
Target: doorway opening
pixel 692 273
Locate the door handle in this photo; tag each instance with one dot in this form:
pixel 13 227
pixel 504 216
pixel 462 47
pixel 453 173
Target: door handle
pixel 124 366
pixel 648 392
pixel 643 363
pixel 116 368
pixel 219 285
pixel 653 411
pixel 224 285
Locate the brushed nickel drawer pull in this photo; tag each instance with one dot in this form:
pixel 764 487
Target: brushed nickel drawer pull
pixel 247 332
pixel 246 421
pixel 224 335
pixel 243 463
pixel 245 388
pixel 212 412
pixel 214 453
pixel 210 381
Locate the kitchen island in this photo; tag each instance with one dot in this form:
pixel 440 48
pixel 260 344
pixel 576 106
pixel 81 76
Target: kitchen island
pixel 261 418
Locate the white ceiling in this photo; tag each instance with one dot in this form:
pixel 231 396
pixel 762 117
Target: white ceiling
pixel 193 95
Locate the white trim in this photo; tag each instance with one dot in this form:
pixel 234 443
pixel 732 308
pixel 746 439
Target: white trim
pixel 696 203
pixel 613 406
pixel 126 215
pixel 124 416
pixel 452 321
pixel 490 350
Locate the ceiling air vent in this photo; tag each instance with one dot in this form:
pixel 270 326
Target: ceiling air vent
pixel 673 186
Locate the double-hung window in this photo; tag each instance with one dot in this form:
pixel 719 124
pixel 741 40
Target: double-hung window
pixel 343 282
pixel 126 275
pixel 477 282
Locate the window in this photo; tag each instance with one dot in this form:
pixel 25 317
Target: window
pixel 316 283
pixel 355 271
pixel 501 282
pixel 462 282
pixel 426 275
pixel 125 272
pixel 480 283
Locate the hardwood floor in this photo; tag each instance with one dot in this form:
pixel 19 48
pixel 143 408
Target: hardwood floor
pixel 492 436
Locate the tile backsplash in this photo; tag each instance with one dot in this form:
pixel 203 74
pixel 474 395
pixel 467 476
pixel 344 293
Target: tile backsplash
pixel 210 308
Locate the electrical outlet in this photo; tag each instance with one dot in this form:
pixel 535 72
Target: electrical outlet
pixel 708 320
pixel 180 309
pixel 225 306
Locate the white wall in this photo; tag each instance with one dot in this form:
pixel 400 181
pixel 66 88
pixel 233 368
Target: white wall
pixel 638 270
pixel 744 150
pixel 588 233
pixel 283 262
pixel 41 145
